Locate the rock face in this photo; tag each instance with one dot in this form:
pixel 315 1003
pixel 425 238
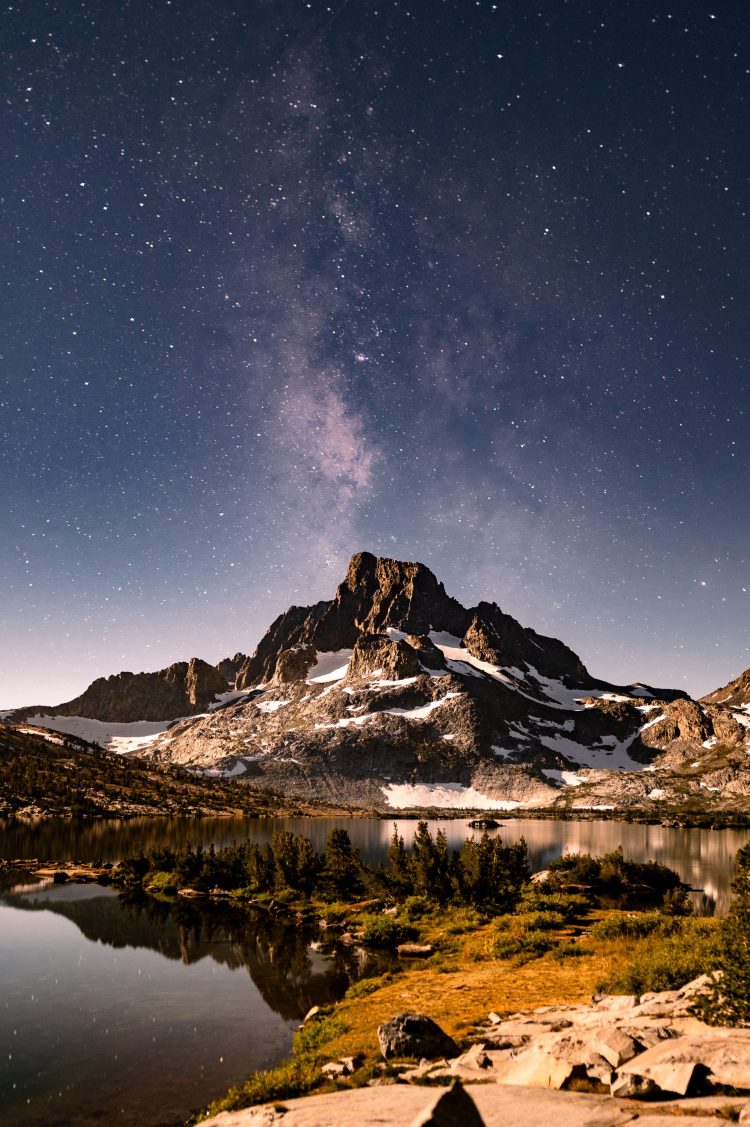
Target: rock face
pixel 379 593
pixel 181 689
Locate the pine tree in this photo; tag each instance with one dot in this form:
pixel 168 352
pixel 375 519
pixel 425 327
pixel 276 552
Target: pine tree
pixel 308 865
pixel 730 1002
pixel 399 868
pixel 341 871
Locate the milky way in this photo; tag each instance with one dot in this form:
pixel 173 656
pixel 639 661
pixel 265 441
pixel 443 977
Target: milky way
pixel 450 281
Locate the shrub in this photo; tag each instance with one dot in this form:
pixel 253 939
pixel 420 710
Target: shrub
pixel 416 907
pixel 550 898
pixel 526 943
pixel 677 902
pixel 569 950
pixel 385 931
pixel 634 925
pixel 521 936
pixel 161 882
pixel 667 962
pixel 460 920
pixel 367 986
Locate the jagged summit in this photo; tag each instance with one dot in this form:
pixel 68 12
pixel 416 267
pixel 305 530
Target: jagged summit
pixel 393 695
pixel 380 594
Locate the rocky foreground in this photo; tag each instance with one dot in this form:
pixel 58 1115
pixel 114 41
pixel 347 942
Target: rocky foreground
pixel 619 1059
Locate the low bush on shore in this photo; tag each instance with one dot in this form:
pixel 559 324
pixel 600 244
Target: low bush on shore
pixel 663 957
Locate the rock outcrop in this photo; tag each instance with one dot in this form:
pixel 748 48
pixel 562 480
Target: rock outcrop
pixel 379 593
pixel 181 689
pixel 735 695
pixel 620 1059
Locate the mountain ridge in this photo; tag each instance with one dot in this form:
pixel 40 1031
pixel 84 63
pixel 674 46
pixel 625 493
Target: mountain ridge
pixel 393 695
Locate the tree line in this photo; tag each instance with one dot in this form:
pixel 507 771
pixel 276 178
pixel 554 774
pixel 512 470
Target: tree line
pixel 483 873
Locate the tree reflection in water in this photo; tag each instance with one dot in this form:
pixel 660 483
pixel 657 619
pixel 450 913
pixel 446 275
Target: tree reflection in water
pixel 283 957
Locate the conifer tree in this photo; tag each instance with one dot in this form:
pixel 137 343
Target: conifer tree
pixel 730 1001
pixel 341 870
pixel 399 868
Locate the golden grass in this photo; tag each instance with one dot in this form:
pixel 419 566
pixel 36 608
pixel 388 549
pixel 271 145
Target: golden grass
pixel 459 999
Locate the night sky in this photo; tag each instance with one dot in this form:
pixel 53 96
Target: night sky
pixel 451 281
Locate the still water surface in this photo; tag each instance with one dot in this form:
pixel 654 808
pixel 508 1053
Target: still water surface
pixel 134 1011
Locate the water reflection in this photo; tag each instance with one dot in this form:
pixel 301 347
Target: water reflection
pixel 145 1009
pixel 703 858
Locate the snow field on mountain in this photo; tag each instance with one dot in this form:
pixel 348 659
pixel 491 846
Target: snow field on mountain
pixel 122 738
pixel 447 796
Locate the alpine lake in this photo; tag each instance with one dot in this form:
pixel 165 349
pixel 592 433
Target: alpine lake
pixel 127 1009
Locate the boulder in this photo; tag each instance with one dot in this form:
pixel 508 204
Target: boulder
pixel 614 1045
pixel 334 1069
pixel 344 1066
pixel 534 1068
pixel 415 950
pixel 667 1069
pixel 414 1035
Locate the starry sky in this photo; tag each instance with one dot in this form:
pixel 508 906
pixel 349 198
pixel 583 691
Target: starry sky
pixel 456 281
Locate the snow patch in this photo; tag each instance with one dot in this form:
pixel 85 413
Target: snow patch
pixel 121 738
pixel 271 705
pixel 448 796
pixel 349 721
pixel 617 758
pixel 650 724
pixel 457 656
pixel 563 778
pixel 49 738
pixel 331 666
pixel 423 711
pixel 229 697
pixel 382 683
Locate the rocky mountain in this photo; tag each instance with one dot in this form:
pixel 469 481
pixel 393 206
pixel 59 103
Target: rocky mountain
pixel 182 689
pixel 393 695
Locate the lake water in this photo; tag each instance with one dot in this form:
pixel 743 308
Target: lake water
pixel 141 1012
